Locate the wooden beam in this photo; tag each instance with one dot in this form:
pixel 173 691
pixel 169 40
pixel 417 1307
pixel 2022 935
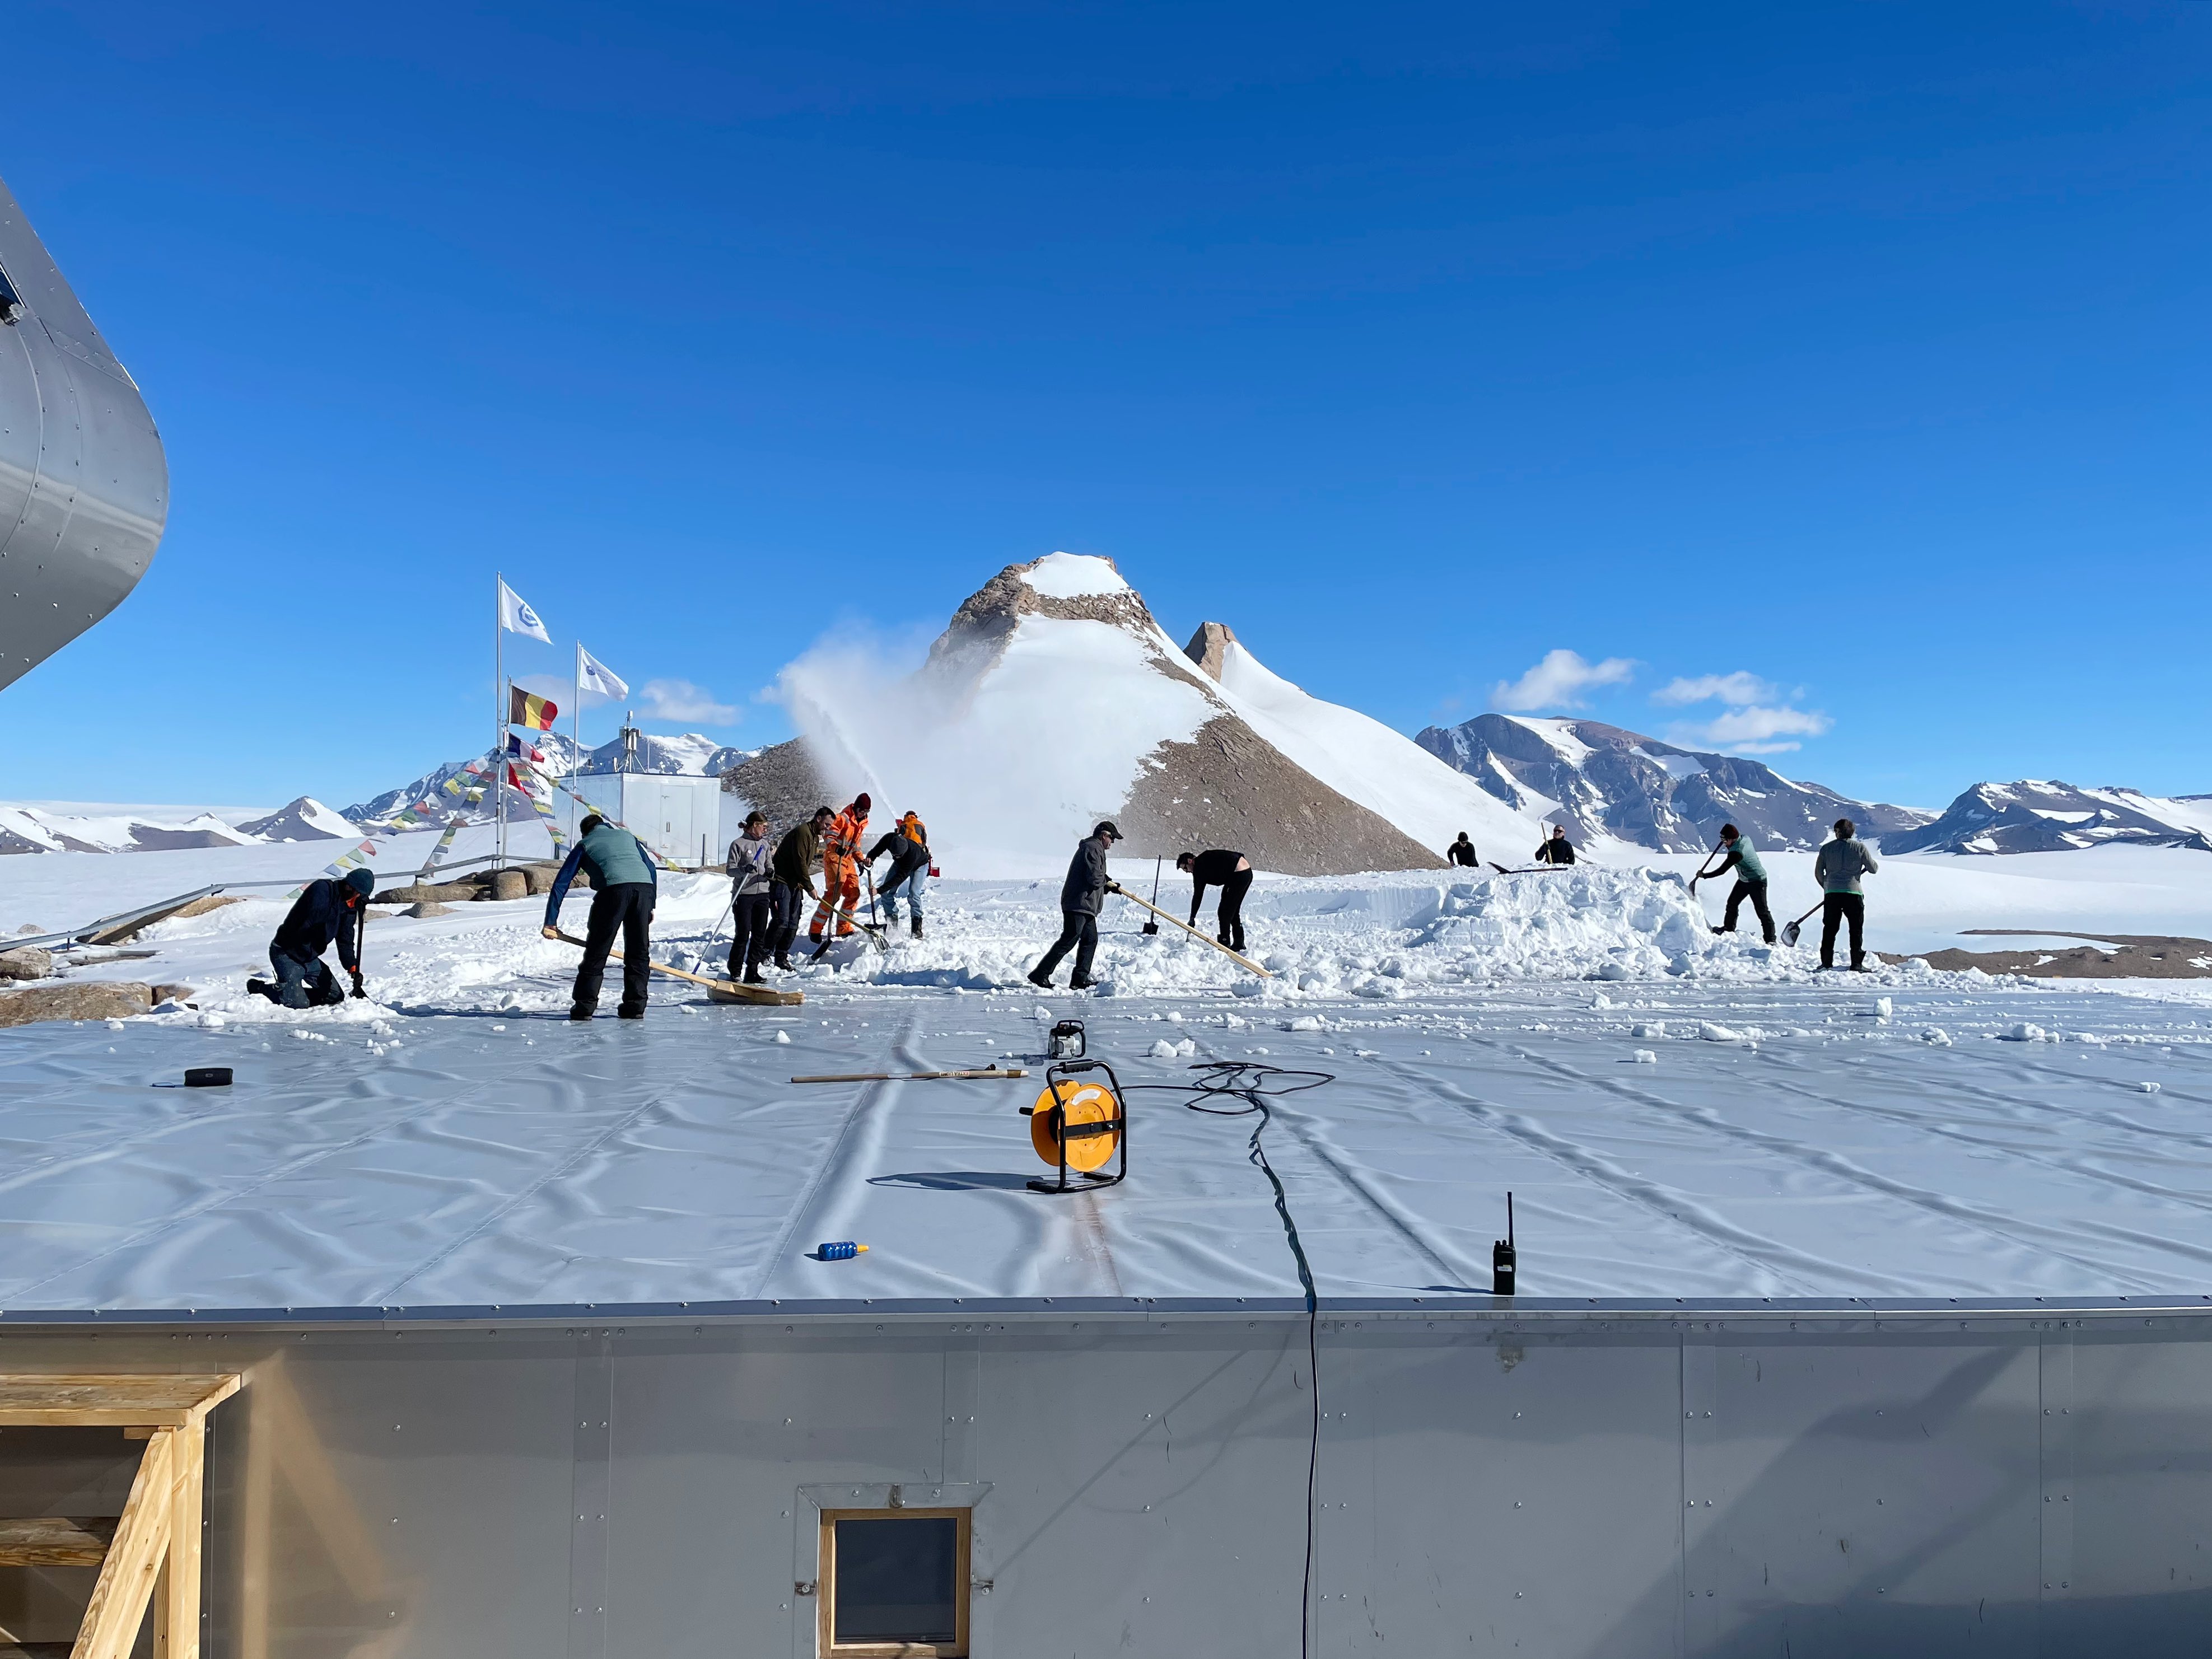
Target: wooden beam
pixel 180 1584
pixel 120 1401
pixel 56 1541
pixel 134 1560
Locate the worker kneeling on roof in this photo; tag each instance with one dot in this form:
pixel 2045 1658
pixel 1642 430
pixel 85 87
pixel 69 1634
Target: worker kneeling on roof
pixel 327 911
pixel 624 884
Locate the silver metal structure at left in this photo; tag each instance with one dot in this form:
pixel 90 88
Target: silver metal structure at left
pixel 84 488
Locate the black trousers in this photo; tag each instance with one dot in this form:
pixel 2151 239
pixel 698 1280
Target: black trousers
pixel 627 907
pixel 1756 892
pixel 1231 916
pixel 1835 910
pixel 749 924
pixel 1078 932
pixel 786 902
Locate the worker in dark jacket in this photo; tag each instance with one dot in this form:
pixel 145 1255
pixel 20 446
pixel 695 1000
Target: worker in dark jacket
pixel 797 856
pixel 1556 849
pixel 1461 852
pixel 1080 895
pixel 1232 873
pixel 327 912
pixel 624 884
pixel 907 843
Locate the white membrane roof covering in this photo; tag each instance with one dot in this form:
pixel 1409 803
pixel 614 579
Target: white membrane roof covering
pixel 1783 1141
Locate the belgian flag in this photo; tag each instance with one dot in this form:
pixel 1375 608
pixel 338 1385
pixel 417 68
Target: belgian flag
pixel 523 710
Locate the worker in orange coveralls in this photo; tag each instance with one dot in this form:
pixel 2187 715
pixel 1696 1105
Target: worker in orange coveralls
pixel 841 870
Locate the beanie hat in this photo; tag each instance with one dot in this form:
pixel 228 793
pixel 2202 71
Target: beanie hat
pixel 1729 832
pixel 361 881
pixel 863 803
pixel 1107 827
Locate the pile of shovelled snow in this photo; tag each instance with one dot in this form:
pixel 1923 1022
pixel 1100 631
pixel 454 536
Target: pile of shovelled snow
pixel 1584 921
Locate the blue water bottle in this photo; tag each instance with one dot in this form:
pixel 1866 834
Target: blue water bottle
pixel 843 1250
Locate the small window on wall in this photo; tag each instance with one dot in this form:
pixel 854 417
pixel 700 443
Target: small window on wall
pixel 894 1581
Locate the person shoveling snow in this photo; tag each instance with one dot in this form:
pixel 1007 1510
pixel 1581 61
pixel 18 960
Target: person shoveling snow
pixel 1080 895
pixel 327 911
pixel 625 882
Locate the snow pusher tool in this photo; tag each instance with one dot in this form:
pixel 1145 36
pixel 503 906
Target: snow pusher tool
pixel 718 990
pixel 1242 961
pixel 1789 931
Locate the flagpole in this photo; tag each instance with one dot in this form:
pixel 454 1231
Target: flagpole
pixel 499 719
pixel 575 738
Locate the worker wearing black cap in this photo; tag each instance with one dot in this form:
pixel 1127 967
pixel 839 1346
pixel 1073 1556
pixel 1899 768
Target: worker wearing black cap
pixel 1080 895
pixel 327 911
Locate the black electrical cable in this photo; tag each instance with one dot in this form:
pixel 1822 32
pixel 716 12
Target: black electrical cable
pixel 1253 1082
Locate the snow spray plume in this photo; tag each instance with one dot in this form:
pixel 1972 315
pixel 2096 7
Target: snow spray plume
pixel 993 794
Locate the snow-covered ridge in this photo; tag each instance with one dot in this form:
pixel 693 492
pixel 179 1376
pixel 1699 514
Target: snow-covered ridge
pixel 2034 815
pixel 1605 783
pixel 33 830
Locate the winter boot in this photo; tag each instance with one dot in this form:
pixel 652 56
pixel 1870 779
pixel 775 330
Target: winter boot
pixel 917 926
pixel 1080 982
pixel 1041 979
pixel 756 977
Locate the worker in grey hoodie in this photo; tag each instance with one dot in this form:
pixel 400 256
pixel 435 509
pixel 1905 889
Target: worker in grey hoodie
pixel 750 867
pixel 1837 868
pixel 1750 879
pixel 1080 895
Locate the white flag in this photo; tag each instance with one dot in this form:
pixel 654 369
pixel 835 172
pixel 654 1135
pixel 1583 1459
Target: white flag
pixel 592 675
pixel 517 617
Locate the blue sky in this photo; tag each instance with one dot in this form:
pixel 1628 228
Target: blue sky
pixel 1836 372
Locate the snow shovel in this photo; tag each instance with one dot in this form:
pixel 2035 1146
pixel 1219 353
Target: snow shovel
pixel 874 928
pixel 1702 874
pixel 1151 927
pixel 1242 961
pixel 1789 933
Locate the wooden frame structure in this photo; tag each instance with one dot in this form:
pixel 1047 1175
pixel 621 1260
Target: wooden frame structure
pixel 826 1596
pixel 153 1554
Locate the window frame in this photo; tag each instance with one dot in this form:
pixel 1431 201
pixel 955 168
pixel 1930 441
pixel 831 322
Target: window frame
pixel 825 1594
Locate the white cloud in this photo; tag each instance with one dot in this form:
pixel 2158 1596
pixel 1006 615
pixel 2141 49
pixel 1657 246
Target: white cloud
pixel 1738 689
pixel 1753 730
pixel 680 700
pixel 1556 682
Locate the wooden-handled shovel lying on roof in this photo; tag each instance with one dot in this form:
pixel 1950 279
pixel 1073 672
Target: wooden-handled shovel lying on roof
pixel 722 990
pixel 1242 961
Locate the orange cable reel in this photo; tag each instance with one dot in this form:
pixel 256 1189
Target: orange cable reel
pixel 1088 1122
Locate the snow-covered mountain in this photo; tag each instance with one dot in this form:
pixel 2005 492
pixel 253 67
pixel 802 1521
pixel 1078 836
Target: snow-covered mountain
pixel 2033 816
pixel 32 830
pixel 304 819
pixel 1055 699
pixel 1360 757
pixel 690 754
pixel 1602 780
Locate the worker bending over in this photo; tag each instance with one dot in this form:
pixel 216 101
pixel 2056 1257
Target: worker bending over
pixel 624 884
pixel 1461 852
pixel 841 870
pixel 326 912
pixel 1232 873
pixel 907 843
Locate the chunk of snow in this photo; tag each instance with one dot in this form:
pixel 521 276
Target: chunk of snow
pixel 1645 1057
pixel 1883 1008
pixel 1651 1028
pixel 1935 1038
pixel 783 1037
pixel 2024 1032
pixel 2148 1088
pixel 1713 1033
pixel 1161 1049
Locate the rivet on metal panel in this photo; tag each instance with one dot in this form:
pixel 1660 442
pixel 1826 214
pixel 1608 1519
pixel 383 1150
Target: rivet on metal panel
pixel 802 1586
